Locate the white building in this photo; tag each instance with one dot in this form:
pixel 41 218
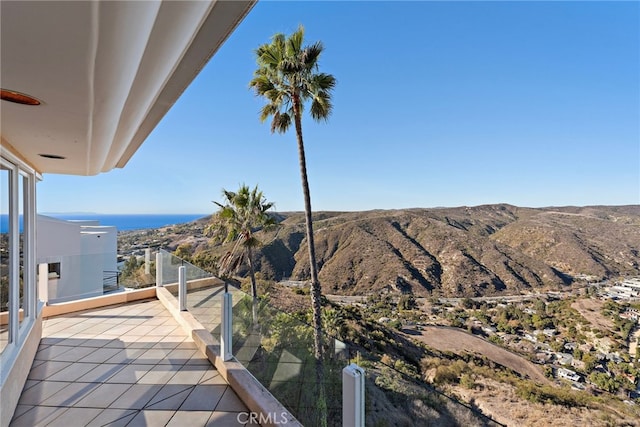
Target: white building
pixel 624 291
pixel 83 85
pixel 79 256
pixel 633 285
pixel 568 374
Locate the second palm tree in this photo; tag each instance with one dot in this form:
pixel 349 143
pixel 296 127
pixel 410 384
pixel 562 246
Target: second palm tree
pixel 242 213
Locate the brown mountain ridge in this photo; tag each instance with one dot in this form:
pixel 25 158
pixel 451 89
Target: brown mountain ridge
pixel 464 251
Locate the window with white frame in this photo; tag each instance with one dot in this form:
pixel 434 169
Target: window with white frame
pixel 17 250
pixel 4 256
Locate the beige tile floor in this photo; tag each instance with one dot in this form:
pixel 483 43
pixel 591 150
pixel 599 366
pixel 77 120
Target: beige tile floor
pixel 126 365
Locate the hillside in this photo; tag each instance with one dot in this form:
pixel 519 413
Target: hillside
pixel 465 251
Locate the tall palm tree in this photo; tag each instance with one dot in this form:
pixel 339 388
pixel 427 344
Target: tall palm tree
pixel 242 213
pixel 287 77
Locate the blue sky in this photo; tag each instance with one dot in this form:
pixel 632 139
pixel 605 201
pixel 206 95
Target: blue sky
pixel 437 104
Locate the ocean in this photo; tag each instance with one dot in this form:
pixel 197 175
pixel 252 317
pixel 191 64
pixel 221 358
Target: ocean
pixel 123 222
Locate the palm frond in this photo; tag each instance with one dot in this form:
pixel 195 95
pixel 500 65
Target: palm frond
pixel 278 41
pixel 309 56
pixel 287 72
pixel 321 106
pixel 243 212
pixel 323 81
pixel 294 42
pixel 281 122
pixel 267 111
pixel 291 66
pixel 261 84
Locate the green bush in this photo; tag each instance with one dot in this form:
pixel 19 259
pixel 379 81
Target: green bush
pixel 550 395
pixel 466 380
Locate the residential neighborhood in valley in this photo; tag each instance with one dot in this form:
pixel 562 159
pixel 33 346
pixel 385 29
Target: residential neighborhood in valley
pixel 585 340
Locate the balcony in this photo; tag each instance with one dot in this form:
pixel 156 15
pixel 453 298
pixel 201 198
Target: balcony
pixel 129 364
pixel 135 358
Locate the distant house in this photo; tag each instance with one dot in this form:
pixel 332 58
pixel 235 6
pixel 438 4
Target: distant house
pixel 564 358
pixel 550 332
pixel 614 357
pixel 623 292
pixel 602 369
pixel 568 374
pixel 489 330
pixel 630 314
pixel 633 285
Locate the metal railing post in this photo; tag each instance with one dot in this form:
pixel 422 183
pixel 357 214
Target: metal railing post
pixel 182 287
pixel 147 261
pixel 353 396
pixel 226 334
pixel 159 268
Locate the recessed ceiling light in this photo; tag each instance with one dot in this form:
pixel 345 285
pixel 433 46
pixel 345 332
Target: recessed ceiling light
pixel 17 97
pixel 52 156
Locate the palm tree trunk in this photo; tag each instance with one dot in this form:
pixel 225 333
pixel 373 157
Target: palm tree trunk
pixel 252 274
pixel 254 288
pixel 315 283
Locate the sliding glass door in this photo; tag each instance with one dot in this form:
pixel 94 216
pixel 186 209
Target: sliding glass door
pixel 17 250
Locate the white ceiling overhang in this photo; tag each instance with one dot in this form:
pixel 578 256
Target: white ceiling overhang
pixel 106 73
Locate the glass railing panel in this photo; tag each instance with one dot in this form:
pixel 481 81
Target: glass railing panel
pixel 76 277
pixel 204 290
pixel 205 304
pixel 134 273
pixel 278 350
pixel 171 265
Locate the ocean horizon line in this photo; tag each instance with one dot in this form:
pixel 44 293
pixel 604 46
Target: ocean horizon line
pixel 123 222
pixel 122 213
